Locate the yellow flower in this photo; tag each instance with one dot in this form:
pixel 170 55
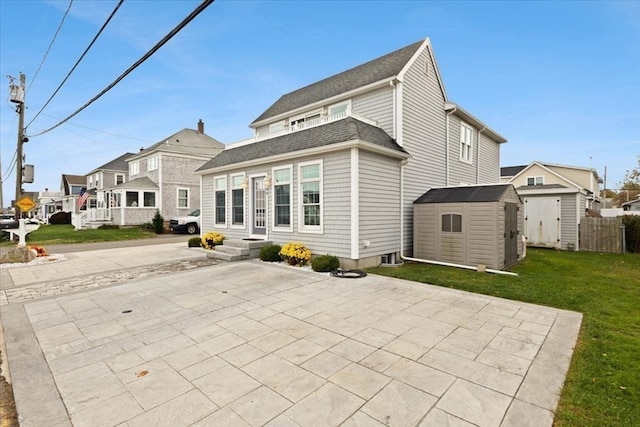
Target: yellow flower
pixel 295 253
pixel 211 239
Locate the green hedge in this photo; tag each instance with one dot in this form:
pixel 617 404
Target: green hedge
pixel 632 232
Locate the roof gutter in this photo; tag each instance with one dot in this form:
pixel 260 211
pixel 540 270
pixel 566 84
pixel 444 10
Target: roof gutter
pixel 429 261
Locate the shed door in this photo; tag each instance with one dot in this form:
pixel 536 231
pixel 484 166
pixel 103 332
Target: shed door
pixel 510 234
pixel 542 221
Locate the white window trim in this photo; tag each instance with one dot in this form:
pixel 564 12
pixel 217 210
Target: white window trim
pixel 339 104
pixel 470 144
pixel 310 229
pixel 535 178
pixel 282 124
pixel 242 226
pixel 216 224
pixel 285 229
pixel 134 168
pixel 115 178
pixel 178 197
pixel 156 163
pixel 305 116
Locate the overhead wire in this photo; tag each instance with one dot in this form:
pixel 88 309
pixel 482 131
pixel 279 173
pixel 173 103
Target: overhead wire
pixel 44 58
pixel 77 62
pixel 154 49
pixel 101 131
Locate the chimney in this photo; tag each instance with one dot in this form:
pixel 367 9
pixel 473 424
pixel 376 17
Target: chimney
pixel 200 126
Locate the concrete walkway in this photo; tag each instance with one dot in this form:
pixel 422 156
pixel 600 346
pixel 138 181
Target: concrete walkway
pixel 250 343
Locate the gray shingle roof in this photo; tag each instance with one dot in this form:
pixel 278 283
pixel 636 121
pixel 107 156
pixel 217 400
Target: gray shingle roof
pixel 138 184
pixel 385 67
pixel 331 133
pixel 541 187
pixel 118 164
pixel 187 141
pixel 484 193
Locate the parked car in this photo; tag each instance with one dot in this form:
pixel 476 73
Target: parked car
pixel 186 224
pixel 7 222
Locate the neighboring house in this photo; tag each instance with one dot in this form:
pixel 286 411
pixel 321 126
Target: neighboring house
pixel 109 175
pixel 632 205
pixel 49 202
pixel 555 198
pixel 161 177
pixel 336 165
pixel 71 186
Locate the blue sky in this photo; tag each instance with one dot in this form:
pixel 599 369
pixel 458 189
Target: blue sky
pixel 560 80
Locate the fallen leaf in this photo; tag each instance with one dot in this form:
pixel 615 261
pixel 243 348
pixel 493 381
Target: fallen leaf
pixel 142 373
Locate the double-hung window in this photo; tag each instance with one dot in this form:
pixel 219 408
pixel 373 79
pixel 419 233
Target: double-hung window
pixel 220 189
pixel 237 200
pixel 152 163
pixel 134 168
pixel 466 142
pixel 282 197
pixel 310 196
pixel 183 197
pixel 119 178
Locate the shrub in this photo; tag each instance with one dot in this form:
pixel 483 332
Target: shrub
pixel 211 239
pixel 632 232
pixel 295 253
pixel 270 253
pixel 158 223
pixel 325 263
pixel 147 226
pixel 194 242
pixel 60 218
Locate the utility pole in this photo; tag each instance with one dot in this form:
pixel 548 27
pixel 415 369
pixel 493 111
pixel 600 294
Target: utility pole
pixel 17 96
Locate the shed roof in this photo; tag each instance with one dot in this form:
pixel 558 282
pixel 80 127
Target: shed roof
pixel 480 193
pixel 384 67
pixel 346 129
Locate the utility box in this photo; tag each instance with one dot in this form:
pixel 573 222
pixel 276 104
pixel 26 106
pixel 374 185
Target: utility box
pixel 27 174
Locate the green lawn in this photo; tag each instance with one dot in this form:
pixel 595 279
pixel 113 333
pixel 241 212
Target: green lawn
pixel 603 382
pixel 63 234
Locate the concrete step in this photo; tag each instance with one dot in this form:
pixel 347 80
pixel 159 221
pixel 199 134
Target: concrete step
pixel 238 249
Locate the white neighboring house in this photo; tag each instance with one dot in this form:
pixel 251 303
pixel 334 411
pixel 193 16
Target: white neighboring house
pixel 555 198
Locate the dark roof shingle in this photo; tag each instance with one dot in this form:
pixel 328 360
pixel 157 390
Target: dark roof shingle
pixel 385 67
pixel 483 193
pixel 331 133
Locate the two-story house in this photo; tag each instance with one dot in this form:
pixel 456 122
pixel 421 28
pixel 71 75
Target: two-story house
pixel 161 177
pixel 109 175
pixel 337 164
pixel 555 198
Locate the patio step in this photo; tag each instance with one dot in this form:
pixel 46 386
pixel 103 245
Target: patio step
pixel 238 249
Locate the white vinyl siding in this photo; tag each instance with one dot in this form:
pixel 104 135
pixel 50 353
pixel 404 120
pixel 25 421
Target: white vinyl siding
pixel 376 106
pixel 310 202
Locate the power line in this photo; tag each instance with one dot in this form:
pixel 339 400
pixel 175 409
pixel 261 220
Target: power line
pixel 77 62
pixel 101 131
pixel 165 39
pixel 44 58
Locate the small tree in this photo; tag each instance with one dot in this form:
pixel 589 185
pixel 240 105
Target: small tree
pixel 630 185
pixel 158 223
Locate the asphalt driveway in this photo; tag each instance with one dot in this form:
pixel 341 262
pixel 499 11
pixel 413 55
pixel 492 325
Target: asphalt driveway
pixel 251 343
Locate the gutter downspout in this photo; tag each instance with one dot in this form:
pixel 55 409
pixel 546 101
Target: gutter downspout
pixel 446 172
pixel 426 261
pixel 478 155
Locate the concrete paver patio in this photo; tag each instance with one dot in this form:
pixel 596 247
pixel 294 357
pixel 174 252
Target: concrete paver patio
pixel 251 343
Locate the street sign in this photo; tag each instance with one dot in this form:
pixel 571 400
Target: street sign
pixel 25 204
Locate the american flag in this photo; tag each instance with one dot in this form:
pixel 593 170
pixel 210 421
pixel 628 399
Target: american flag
pixel 84 195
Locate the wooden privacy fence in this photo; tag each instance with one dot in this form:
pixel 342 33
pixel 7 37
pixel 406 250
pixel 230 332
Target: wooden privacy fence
pixel 601 235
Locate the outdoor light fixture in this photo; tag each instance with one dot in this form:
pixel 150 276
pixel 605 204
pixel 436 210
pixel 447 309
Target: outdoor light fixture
pixel 245 184
pixel 267 182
